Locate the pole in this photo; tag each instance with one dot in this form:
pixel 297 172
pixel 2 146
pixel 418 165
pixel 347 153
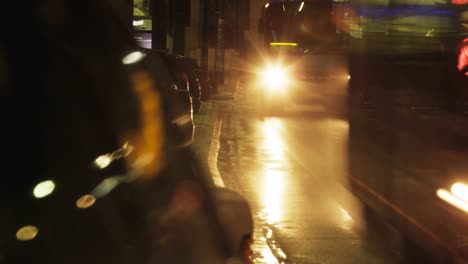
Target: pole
pixel 203 75
pixel 219 52
pixel 204 15
pixel 159 24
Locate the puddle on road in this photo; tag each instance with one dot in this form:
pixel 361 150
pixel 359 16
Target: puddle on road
pixel 266 248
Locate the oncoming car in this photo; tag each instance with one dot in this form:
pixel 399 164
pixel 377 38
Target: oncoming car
pixel 303 55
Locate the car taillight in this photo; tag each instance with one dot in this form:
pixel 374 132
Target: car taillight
pixel 246 248
pixel 463 57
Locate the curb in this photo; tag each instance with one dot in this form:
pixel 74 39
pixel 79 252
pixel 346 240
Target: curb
pixel 206 140
pixel 213 153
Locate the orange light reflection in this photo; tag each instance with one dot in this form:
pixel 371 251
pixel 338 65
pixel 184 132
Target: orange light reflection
pixel 273 171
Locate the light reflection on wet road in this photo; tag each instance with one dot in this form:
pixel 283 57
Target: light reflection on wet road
pixel 291 170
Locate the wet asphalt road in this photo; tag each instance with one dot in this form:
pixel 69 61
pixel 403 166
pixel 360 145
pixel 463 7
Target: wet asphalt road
pixel 292 170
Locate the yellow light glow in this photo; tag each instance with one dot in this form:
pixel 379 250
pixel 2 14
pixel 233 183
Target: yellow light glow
pixel 27 233
pixel 460 190
pixel 272 193
pixel 345 214
pixel 302 6
pixel 273 142
pixel 275 76
pixel 453 200
pixel 268 257
pixel 43 189
pixel 346 221
pixel 103 161
pixel 289 44
pixel 273 176
pixel 267 5
pixel 148 139
pixel 133 57
pixel 86 201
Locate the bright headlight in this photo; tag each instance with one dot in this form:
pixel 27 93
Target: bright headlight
pixel 460 190
pixel 456 196
pixel 275 76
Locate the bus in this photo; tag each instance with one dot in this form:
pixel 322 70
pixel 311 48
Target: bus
pixel 408 122
pixel 303 54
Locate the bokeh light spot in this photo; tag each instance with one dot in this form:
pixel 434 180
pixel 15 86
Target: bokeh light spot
pixel 27 233
pixel 86 201
pixel 43 189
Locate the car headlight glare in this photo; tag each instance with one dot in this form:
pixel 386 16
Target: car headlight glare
pixel 275 76
pixel 460 190
pixel 457 196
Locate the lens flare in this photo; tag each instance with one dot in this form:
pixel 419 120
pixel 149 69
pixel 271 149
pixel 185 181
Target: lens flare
pixel 43 189
pixel 302 6
pixel 133 57
pixel 27 233
pixel 102 161
pixel 86 201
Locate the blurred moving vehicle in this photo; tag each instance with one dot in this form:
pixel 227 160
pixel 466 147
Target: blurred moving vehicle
pixel 304 54
pixel 408 140
pixel 92 168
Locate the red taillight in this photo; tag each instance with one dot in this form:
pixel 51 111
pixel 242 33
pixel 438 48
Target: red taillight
pixel 463 56
pixel 246 248
pixel 459 2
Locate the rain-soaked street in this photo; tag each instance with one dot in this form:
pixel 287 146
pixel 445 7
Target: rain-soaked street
pixel 292 171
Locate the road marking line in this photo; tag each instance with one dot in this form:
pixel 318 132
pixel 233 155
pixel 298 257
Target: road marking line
pixel 213 153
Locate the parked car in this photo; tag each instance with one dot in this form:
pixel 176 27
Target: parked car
pixel 206 88
pixel 181 100
pixel 184 71
pixel 191 67
pixel 91 169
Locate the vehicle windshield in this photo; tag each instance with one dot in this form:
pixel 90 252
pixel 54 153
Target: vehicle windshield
pixel 305 24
